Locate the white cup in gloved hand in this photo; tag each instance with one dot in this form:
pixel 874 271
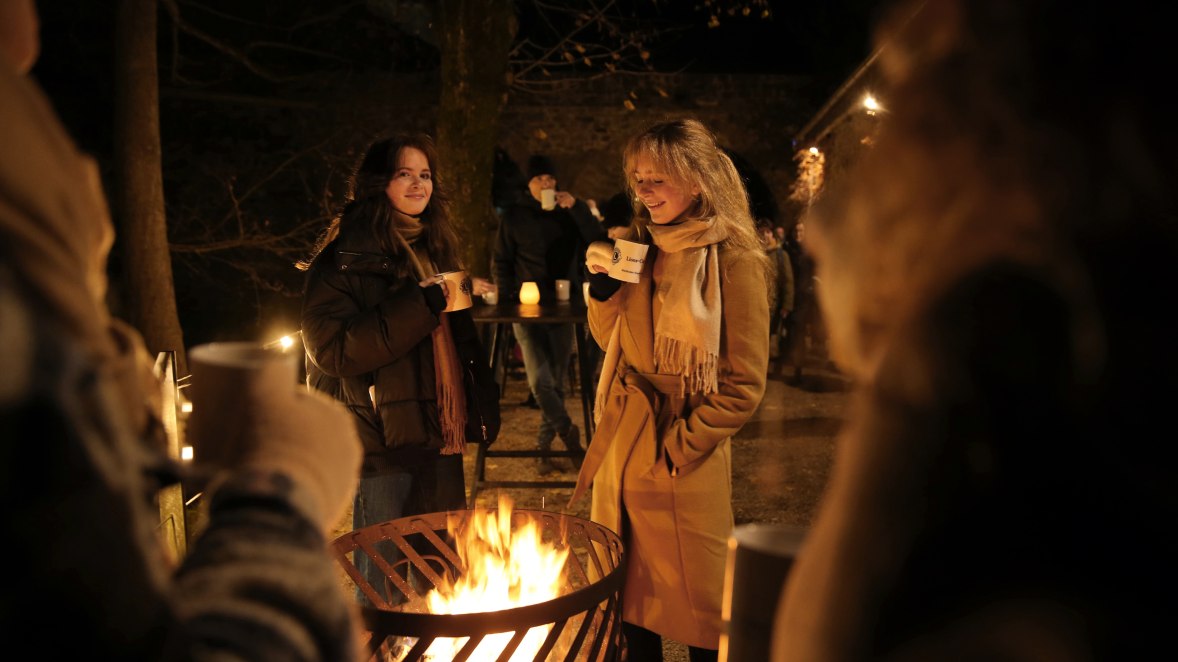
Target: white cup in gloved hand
pixel 599 257
pixel 626 260
pixel 249 411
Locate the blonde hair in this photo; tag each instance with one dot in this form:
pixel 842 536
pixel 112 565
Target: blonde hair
pixel 688 151
pixel 982 159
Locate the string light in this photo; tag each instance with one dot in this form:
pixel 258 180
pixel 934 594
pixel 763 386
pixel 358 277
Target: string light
pixel 871 104
pixel 284 343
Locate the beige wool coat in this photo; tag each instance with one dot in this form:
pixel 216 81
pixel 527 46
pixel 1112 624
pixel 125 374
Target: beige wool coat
pixel 660 467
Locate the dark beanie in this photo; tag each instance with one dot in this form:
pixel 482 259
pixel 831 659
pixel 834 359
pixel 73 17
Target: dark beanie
pixel 538 165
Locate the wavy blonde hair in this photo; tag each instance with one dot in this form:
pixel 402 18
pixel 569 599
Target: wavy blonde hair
pixel 990 152
pixel 688 151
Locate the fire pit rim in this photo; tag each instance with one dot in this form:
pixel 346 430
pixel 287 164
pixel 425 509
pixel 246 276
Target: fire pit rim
pixel 414 624
pixel 492 622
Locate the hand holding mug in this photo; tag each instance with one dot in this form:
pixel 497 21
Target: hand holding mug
pixel 599 257
pixel 249 411
pixel 440 281
pixel 436 279
pixel 564 199
pixel 482 286
pixel 457 286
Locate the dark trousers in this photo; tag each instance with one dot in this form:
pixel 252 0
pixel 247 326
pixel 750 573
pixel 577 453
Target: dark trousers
pixel 642 645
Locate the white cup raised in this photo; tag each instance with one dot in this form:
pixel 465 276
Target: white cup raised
pixel 458 289
pixel 563 287
pixel 548 199
pixel 230 381
pixel 628 260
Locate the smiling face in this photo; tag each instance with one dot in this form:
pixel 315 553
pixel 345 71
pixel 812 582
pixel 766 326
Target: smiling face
pixel 412 183
pixel 665 196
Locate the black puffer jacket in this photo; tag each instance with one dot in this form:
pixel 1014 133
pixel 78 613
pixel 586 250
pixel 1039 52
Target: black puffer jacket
pixel 542 246
pixel 367 323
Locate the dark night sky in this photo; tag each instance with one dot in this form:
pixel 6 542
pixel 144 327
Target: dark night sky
pixel 823 39
pixel 827 39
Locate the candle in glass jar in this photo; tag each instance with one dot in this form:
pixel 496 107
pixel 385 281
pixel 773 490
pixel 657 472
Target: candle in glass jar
pixel 529 293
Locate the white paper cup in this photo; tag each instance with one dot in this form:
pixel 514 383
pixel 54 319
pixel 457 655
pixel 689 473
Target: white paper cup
pixel 459 287
pixel 759 559
pixel 491 298
pixel 629 258
pixel 563 287
pixel 548 199
pixel 230 381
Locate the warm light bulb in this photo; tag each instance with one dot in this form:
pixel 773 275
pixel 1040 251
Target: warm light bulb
pixel 529 293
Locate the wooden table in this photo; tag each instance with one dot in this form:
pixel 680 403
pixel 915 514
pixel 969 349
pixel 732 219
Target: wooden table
pixel 495 321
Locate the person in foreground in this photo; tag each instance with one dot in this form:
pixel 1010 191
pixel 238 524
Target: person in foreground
pixel 995 275
pixel 83 452
pixel 687 349
pixel 378 338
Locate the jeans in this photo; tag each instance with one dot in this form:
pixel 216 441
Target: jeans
pixel 547 349
pixel 431 487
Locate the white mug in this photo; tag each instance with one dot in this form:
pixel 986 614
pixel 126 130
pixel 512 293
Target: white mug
pixel 562 289
pixel 229 380
pixel 460 286
pixel 628 260
pixel 548 199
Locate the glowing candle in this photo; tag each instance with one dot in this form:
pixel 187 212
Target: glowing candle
pixel 529 293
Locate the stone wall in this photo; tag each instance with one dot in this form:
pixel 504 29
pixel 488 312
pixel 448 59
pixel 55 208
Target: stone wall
pixel 584 127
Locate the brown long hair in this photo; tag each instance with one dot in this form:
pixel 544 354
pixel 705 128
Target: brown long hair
pixel 368 211
pixel 688 150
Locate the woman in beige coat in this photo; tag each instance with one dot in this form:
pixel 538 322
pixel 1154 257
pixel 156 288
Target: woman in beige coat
pixel 686 358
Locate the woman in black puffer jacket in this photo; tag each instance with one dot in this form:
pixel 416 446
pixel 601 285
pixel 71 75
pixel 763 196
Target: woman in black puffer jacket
pixel 378 340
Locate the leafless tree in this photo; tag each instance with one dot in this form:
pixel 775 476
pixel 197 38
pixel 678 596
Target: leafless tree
pixel 280 192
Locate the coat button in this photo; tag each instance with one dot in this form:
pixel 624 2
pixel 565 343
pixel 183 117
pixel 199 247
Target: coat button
pixel 343 267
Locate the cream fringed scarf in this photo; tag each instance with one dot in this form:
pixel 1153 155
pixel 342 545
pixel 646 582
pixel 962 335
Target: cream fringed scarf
pixel 687 331
pixel 447 368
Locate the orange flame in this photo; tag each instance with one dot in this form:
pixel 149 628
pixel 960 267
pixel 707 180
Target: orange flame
pixel 505 569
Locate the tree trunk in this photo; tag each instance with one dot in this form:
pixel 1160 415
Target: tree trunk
pixel 475 38
pixel 138 194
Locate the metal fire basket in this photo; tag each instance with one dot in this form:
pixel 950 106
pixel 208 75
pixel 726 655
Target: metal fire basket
pixel 585 617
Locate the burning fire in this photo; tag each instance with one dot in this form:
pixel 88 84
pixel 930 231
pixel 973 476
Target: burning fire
pixel 505 569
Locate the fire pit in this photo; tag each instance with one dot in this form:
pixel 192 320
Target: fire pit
pixel 425 618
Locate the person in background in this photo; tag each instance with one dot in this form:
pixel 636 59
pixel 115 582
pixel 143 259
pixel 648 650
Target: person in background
pixel 594 210
pixel 989 272
pixel 780 290
pixel 84 449
pixel 803 333
pixel 379 340
pixel 617 214
pixel 534 244
pixel 687 350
